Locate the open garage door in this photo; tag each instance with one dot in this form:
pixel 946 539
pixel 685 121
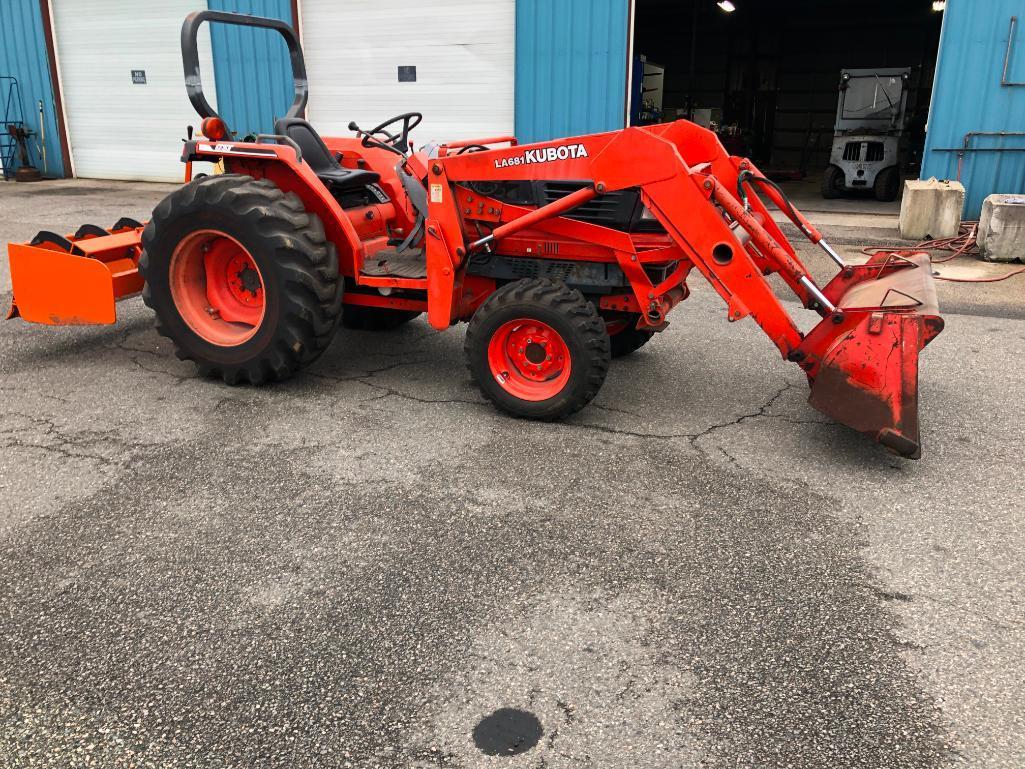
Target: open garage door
pixel 452 60
pixel 124 95
pixel 766 75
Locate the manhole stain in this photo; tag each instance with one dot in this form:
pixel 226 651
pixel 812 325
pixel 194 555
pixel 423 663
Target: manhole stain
pixel 507 732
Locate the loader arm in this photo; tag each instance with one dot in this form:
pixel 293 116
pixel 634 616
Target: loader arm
pixel 862 357
pixel 680 198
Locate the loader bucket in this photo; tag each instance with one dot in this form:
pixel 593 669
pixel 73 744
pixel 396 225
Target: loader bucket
pixel 863 359
pixel 75 279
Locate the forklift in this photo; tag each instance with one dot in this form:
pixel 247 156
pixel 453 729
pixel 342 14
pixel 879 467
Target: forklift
pixel 869 137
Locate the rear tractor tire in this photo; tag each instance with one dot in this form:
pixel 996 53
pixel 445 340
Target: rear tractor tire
pixel 241 277
pixel 538 349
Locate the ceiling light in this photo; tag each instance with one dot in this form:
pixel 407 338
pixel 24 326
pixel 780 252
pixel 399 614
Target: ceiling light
pixel 729 7
pixel 939 5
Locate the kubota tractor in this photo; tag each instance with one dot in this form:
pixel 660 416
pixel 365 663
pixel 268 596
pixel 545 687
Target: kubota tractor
pixel 560 255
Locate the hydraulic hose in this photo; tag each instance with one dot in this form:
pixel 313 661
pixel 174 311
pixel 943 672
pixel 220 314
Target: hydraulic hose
pixel 959 245
pixel 750 176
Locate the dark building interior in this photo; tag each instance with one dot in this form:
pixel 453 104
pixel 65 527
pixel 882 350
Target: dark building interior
pixel 767 73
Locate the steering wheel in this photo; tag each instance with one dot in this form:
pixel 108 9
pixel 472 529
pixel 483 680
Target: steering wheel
pixel 397 143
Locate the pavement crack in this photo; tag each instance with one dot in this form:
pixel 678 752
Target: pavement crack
pixel 613 410
pixel 389 391
pixel 178 378
pixel 694 438
pixel 762 412
pixel 47 396
pixel 55 441
pixel 892 595
pixel 368 375
pixel 729 457
pixel 629 433
pixel 568 711
pixel 988 618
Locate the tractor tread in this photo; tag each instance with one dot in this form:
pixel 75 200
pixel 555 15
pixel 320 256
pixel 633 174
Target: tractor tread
pixel 585 326
pixel 304 261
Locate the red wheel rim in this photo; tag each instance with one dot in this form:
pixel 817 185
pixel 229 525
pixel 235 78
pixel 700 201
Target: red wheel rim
pixel 217 287
pixel 529 359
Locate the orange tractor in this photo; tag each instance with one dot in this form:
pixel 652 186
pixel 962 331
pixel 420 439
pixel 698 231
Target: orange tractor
pixel 560 255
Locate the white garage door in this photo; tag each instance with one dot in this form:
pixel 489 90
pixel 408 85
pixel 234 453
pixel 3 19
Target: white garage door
pixel 119 129
pixel 463 51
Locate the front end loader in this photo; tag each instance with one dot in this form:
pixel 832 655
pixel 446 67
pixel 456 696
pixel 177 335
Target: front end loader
pixel 559 255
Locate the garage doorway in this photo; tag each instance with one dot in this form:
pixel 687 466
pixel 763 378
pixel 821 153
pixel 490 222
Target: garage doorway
pixel 121 77
pixel 765 76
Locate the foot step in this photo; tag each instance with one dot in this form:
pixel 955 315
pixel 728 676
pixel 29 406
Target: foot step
pixel 392 264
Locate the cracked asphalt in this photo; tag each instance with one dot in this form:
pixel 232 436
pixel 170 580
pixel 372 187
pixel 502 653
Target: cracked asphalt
pixel 357 567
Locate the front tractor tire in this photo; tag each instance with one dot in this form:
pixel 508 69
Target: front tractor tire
pixel 538 349
pixel 241 278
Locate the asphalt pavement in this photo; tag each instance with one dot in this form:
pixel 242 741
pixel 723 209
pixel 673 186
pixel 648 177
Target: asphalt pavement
pixel 368 566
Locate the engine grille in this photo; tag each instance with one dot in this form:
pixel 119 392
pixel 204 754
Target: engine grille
pixel 538 268
pixel 618 209
pixel 609 209
pixel 874 151
pixel 852 151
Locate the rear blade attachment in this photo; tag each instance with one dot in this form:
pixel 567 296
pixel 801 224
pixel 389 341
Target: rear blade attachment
pixel 862 360
pixel 75 279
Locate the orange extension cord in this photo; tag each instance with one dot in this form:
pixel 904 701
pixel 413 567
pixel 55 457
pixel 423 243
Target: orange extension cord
pixel 962 243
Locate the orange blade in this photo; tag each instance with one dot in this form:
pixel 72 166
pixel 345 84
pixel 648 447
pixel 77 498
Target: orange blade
pixel 60 289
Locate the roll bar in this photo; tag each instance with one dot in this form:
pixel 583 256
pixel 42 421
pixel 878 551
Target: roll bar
pixel 190 57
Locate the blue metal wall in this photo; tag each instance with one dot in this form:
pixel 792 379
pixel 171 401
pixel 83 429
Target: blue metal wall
pixel 571 60
pixel 253 74
pixel 23 56
pixel 968 96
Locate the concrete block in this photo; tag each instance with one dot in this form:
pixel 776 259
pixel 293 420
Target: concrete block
pixel 1002 228
pixel 931 209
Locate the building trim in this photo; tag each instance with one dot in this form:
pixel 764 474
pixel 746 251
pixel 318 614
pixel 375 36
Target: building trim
pixel 297 24
pixel 628 99
pixel 46 15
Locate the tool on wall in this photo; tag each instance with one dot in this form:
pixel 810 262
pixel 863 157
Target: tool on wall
pixel 14 135
pixel 42 137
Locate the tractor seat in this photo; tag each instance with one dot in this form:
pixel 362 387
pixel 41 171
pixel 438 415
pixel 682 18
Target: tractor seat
pixel 335 177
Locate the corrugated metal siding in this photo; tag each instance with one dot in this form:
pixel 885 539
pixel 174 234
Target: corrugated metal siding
pixel 254 77
pixel 967 96
pixel 571 58
pixel 23 56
